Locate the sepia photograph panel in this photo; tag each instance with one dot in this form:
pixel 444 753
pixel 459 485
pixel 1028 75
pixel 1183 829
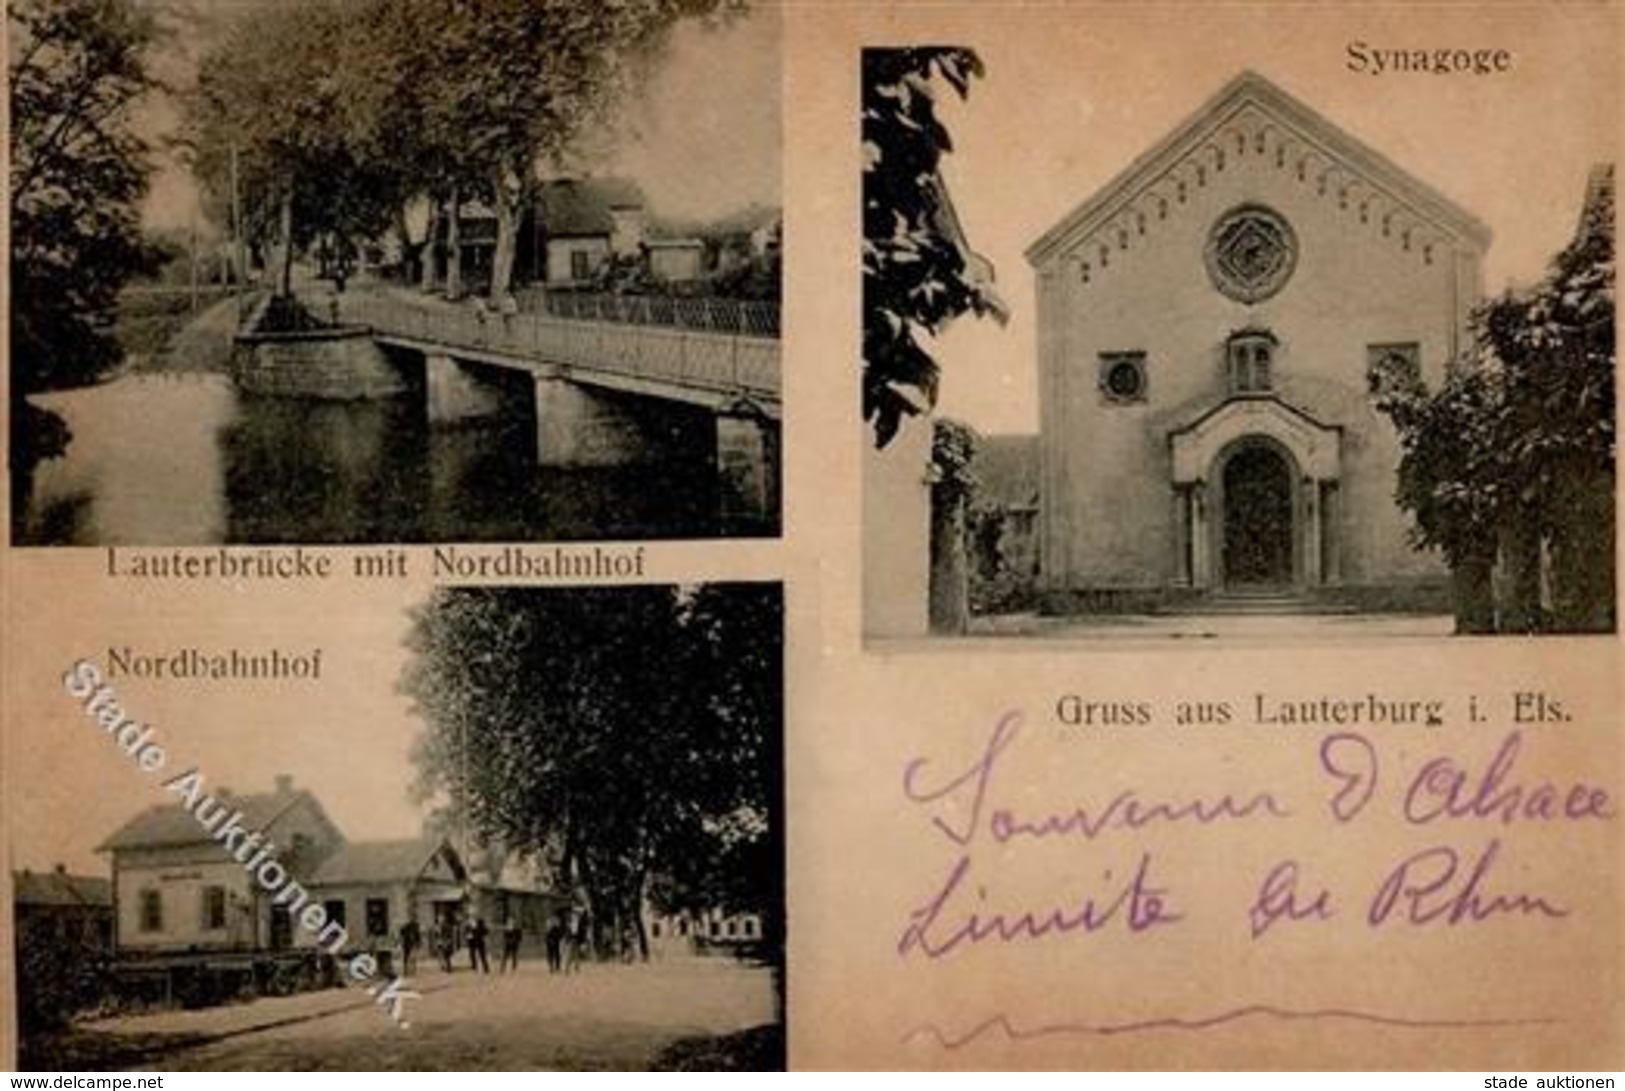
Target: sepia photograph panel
pixel 345 272
pixel 491 828
pixel 1288 347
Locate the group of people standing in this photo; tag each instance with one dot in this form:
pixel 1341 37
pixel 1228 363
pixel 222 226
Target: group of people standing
pixel 566 946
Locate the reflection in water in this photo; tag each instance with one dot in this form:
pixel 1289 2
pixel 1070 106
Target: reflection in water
pixel 186 459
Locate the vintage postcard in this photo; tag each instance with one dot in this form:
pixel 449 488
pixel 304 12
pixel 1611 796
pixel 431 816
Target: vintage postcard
pixel 746 535
pixel 390 680
pixel 1233 680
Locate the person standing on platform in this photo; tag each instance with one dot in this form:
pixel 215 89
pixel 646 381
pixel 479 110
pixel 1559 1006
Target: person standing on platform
pixel 477 933
pixel 445 942
pixel 581 944
pixel 554 940
pixel 411 940
pixel 511 938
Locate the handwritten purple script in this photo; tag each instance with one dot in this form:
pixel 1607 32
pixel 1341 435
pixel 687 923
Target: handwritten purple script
pixel 1459 875
pixel 942 923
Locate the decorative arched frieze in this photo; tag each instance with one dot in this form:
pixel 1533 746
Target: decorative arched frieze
pixel 1349 193
pixel 1310 165
pixel 1117 233
pixel 1330 180
pixel 1398 224
pixel 1254 118
pixel 1284 149
pixel 1152 202
pixel 1429 241
pixel 1225 147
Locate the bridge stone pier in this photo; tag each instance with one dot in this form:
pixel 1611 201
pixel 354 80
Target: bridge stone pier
pixel 747 452
pixel 581 428
pixel 455 393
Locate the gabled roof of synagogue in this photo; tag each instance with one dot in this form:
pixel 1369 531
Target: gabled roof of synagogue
pixel 1248 107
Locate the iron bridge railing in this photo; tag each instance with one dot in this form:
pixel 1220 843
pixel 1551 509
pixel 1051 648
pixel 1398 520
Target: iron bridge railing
pixel 732 363
pixel 749 317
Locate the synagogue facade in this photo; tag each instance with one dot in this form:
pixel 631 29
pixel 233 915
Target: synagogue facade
pixel 1209 325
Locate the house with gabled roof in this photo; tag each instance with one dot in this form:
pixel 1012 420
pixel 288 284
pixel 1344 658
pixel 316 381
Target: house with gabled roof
pixel 372 888
pixel 62 909
pixel 579 225
pixel 177 888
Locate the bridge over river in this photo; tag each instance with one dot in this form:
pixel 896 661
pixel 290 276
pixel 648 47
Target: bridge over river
pixel 609 381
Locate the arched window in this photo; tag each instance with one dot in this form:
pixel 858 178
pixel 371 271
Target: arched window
pixel 1251 357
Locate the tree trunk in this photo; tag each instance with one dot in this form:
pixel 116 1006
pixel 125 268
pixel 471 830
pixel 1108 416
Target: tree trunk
pixel 1582 551
pixel 431 247
pixel 1474 590
pixel 409 252
pixel 589 890
pixel 285 274
pixel 637 917
pixel 508 193
pixel 950 606
pixel 454 248
pixel 1519 606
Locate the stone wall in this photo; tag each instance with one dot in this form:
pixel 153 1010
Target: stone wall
pixel 342 364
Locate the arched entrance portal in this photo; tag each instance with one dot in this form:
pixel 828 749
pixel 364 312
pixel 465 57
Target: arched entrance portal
pixel 1256 540
pixel 1255 494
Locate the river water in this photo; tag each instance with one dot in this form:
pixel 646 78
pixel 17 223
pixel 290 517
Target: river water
pixel 185 459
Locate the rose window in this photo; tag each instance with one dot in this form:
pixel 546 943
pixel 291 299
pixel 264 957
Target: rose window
pixel 1250 253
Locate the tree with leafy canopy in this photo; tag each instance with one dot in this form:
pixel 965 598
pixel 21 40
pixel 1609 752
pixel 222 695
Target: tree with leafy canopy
pixel 1555 345
pixel 279 102
pixel 1516 448
pixel 1453 475
pixel 518 83
pixel 919 273
pixel 342 111
pixel 78 172
pixel 628 737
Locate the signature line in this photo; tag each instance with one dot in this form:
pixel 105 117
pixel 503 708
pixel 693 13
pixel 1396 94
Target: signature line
pixel 1019 1034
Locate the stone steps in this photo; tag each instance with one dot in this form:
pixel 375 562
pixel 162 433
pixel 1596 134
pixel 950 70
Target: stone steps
pixel 1264 602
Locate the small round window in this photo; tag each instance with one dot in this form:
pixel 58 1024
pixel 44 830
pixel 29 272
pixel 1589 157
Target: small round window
pixel 1122 377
